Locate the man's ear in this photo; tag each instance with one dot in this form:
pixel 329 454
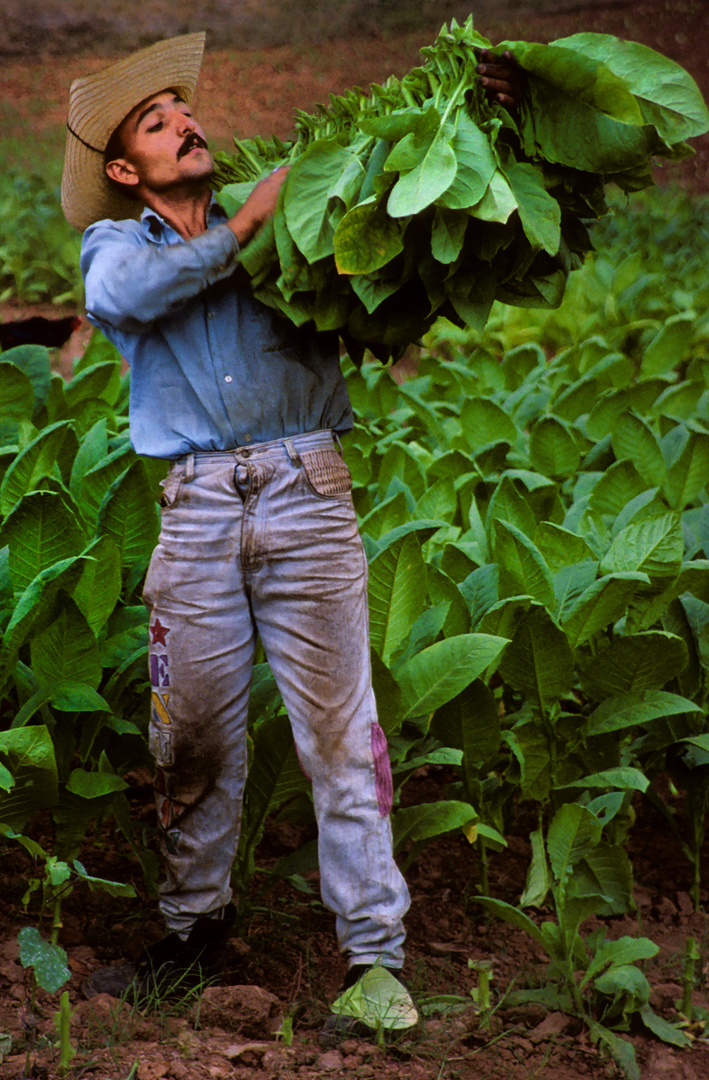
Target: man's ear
pixel 122 172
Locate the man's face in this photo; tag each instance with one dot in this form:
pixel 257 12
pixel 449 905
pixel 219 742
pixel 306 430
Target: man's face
pixel 164 145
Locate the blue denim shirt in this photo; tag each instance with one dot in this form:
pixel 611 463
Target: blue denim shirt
pixel 211 367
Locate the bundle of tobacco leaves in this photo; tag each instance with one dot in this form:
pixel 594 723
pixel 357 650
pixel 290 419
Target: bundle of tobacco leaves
pixel 423 197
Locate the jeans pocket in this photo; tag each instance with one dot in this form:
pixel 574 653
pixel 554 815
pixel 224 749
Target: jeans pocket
pixel 171 487
pixel 326 472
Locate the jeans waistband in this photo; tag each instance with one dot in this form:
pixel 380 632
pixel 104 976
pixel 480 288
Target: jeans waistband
pixel 308 440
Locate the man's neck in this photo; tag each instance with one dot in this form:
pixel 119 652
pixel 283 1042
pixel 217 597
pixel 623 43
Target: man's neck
pixel 184 210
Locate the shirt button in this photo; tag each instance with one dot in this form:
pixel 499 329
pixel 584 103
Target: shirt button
pixel 247 438
pixel 227 378
pixel 210 314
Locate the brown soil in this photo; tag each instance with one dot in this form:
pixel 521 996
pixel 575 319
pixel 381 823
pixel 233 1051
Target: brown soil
pixel 286 945
pixel 284 963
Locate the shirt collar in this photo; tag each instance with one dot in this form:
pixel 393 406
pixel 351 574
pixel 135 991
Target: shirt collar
pixel 158 230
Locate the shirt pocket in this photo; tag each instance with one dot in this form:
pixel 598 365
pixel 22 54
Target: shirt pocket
pixel 326 472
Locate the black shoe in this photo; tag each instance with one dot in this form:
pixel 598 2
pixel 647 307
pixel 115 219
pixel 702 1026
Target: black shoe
pixel 170 968
pixel 374 1003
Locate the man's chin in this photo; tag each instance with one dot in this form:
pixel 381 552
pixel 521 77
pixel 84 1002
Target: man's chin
pixel 198 168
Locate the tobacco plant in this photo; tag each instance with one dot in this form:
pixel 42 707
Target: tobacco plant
pixel 425 198
pixel 534 515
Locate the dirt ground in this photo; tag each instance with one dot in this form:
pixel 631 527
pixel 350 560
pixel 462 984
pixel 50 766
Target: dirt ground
pixel 284 963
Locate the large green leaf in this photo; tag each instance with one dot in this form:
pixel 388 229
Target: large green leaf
pixel 522 566
pixel 32 465
pixel 573 834
pixel 645 661
pixel 129 515
pixel 397 593
pixel 94 785
pixel 413 824
pixel 600 605
pixel 637 707
pixel 668 96
pixel 624 950
pixel 89 485
pixel 560 547
pixel 615 488
pixel 448 234
pixel 34 362
pixel 633 438
pixel 506 504
pixel 539 212
pixel 539 877
pixel 653 546
pixel 41 531
pixel 570 583
pixel 305 196
pixel 102 381
pixel 583 115
pixel 552 449
pixel 438 673
pixel 48 961
pixel 470 722
pixel 688 476
pixel 421 185
pixel 16 393
pixel 67 651
pixel 99 587
pixel 92 451
pixel 623 777
pixel 513 916
pixel 366 239
pixel 386 517
pixel 476 166
pixel 29 752
pixel 484 421
pixel 539 662
pixel 530 746
pixel 606 871
pixel 440 501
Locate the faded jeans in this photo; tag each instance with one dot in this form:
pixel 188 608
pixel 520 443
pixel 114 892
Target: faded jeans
pixel 263 539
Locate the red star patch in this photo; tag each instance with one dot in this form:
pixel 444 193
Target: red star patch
pixel 159 631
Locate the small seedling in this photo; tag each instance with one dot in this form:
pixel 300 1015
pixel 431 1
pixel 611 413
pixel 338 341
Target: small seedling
pixel 481 993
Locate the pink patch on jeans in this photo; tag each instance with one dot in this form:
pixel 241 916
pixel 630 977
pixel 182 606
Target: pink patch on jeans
pixel 382 771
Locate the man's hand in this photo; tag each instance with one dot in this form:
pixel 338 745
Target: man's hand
pixel 259 207
pixel 503 79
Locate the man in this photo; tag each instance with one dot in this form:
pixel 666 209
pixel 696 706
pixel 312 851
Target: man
pixel 258 533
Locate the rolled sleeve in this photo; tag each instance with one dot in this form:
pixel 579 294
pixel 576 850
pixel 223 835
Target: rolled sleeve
pixel 130 282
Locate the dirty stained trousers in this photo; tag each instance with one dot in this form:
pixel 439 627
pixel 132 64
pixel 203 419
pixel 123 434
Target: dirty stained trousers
pixel 263 540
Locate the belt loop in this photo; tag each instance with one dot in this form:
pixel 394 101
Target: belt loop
pixel 336 437
pixel 292 453
pixel 189 469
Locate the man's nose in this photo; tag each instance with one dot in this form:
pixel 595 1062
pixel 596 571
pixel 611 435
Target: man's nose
pixel 185 124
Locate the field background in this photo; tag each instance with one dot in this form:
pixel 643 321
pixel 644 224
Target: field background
pixel 268 57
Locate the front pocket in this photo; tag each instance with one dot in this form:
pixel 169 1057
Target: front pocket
pixel 171 486
pixel 326 472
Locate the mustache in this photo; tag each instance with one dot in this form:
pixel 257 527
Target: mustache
pixel 191 140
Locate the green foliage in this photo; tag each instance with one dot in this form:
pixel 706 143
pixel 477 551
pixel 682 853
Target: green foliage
pixel 534 514
pixel 79 520
pixel 424 198
pixel 39 251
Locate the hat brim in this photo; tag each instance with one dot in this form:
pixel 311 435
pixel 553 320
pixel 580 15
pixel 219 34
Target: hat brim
pixel 97 105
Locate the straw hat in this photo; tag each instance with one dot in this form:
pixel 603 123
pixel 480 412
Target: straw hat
pixel 97 105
